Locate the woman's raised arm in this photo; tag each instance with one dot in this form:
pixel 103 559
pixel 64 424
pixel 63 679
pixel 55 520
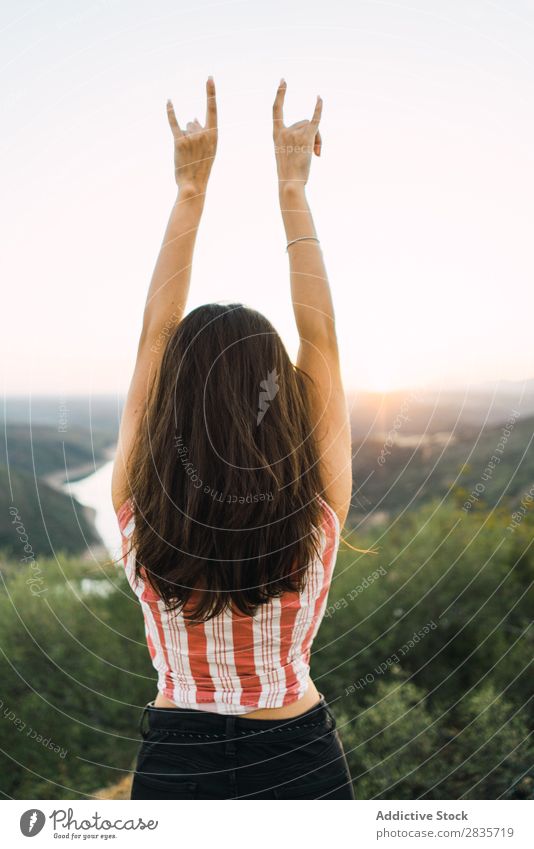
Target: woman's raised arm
pixel 194 152
pixel 312 302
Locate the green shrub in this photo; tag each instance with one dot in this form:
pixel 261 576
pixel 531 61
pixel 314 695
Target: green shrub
pixel 75 671
pixel 426 664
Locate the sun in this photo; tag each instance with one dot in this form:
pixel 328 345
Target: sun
pixel 379 377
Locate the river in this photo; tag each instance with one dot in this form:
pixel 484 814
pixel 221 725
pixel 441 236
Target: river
pixel 95 491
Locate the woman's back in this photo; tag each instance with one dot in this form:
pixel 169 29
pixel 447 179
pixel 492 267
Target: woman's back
pixel 234 663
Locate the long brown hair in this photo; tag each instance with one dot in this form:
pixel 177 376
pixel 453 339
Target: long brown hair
pixel 224 475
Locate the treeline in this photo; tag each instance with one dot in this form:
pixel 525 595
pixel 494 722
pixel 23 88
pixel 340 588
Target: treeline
pixel 425 655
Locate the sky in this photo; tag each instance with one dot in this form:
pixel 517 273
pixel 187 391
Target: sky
pixel 423 196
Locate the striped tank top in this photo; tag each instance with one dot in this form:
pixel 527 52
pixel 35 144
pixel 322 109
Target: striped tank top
pixel 236 664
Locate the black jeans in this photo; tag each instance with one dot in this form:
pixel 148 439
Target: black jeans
pixel 192 754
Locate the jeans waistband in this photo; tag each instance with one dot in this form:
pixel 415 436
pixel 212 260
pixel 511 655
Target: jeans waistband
pixel 191 721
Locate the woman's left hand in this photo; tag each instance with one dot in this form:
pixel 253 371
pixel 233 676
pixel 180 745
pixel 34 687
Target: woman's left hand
pixel 294 145
pixel 195 147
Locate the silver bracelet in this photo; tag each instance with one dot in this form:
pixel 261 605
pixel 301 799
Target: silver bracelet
pixel 300 239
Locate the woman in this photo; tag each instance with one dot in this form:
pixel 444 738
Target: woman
pixel 231 483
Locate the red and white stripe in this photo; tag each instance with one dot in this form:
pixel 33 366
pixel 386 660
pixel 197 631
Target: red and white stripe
pixel 234 664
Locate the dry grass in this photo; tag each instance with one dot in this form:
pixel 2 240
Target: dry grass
pixel 121 790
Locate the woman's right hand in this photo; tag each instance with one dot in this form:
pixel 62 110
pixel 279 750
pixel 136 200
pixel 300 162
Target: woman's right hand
pixel 294 145
pixel 195 147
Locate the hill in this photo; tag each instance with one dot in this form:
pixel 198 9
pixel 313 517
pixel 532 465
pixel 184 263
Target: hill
pixel 36 515
pixel 400 472
pixel 35 460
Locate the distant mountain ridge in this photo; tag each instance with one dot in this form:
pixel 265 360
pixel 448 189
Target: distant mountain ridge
pixel 97 414
pixel 42 450
pixel 432 411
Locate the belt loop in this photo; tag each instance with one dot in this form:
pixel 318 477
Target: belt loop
pixel 330 714
pixel 143 733
pixel 230 747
